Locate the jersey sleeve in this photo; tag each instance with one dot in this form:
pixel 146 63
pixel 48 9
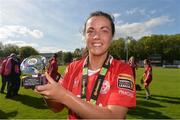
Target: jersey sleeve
pixel 71 73
pixel 65 81
pixel 122 90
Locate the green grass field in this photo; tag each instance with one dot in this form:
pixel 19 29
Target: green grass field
pixel 165 89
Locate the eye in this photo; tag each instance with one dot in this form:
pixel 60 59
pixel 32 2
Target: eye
pixel 105 30
pixel 90 31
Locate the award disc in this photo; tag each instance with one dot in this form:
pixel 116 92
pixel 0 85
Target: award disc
pixel 33 65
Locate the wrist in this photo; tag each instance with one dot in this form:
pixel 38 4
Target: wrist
pixel 64 97
pixel 67 98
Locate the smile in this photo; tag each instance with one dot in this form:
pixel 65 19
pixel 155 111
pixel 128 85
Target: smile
pixel 97 44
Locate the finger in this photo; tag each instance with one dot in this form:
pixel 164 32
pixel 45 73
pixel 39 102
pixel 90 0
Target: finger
pixel 43 93
pixel 46 97
pixel 41 88
pixel 49 78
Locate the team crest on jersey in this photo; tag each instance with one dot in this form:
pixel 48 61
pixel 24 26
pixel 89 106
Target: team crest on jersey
pixel 105 87
pixel 125 81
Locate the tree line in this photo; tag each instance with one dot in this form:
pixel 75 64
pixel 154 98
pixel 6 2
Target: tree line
pixel 167 46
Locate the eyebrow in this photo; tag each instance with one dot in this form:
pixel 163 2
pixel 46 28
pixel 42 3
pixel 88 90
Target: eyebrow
pixel 100 28
pixel 90 28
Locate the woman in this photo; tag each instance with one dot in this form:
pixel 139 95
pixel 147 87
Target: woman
pixel 132 63
pixel 96 86
pixel 52 69
pixel 147 76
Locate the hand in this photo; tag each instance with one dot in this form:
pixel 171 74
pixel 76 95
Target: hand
pixel 52 90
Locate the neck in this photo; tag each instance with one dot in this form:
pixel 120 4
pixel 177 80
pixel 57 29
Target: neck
pixel 96 62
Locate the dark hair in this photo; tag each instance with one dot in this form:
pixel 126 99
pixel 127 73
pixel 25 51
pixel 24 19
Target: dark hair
pixel 55 55
pixel 148 62
pixel 106 15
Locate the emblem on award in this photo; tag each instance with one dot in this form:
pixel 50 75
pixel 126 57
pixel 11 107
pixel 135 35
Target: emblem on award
pixel 33 69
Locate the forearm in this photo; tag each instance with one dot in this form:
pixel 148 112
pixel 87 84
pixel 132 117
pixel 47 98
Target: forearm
pixel 87 110
pixel 54 106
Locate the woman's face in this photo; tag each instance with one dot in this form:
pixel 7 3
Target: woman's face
pixel 145 63
pixel 98 35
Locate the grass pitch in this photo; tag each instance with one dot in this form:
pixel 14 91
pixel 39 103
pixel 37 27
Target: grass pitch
pixel 165 102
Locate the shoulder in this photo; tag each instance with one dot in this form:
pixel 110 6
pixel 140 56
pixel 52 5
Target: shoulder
pixel 4 61
pixel 53 62
pixel 120 68
pixel 9 60
pixel 75 65
pixel 150 67
pixel 120 65
pixel 73 70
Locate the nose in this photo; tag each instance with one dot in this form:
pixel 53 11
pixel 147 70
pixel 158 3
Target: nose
pixel 96 35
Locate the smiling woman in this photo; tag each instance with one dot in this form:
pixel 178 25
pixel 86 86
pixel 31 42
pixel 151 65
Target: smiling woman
pixel 96 86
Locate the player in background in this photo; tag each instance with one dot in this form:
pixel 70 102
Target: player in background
pixel 147 77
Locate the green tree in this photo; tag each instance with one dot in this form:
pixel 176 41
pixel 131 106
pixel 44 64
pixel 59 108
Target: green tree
pixel 171 48
pixel 9 48
pixel 116 48
pixel 67 57
pixel 28 51
pixel 60 57
pixel 1 50
pixel 168 46
pixel 77 53
pixel 133 47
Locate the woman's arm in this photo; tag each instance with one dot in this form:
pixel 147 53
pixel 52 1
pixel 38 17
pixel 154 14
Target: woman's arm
pixel 87 110
pixel 54 106
pixel 58 94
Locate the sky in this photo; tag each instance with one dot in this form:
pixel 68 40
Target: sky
pixel 57 25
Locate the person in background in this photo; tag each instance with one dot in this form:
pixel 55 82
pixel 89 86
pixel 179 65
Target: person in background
pixel 3 76
pixel 17 63
pixel 52 69
pixel 133 64
pixel 97 86
pixel 12 71
pixel 147 77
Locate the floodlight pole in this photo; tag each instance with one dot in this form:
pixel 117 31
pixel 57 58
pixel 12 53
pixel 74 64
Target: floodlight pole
pixel 127 54
pixel 127 39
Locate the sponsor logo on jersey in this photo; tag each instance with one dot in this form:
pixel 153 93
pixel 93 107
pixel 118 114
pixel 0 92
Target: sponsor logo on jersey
pixel 126 76
pixel 125 81
pixel 127 93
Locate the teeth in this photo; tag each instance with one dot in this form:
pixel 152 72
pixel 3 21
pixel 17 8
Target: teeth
pixel 97 44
